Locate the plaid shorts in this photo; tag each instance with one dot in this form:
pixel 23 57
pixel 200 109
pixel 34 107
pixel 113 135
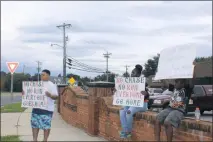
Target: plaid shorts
pixel 170 115
pixel 41 121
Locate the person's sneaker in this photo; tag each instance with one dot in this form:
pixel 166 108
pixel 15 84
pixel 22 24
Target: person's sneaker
pixel 129 135
pixel 123 135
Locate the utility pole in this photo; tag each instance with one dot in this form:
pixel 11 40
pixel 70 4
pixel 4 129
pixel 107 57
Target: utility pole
pixel 65 39
pixel 39 68
pixel 107 55
pixel 126 69
pixel 23 69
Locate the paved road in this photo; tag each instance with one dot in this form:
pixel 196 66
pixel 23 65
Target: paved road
pixel 6 98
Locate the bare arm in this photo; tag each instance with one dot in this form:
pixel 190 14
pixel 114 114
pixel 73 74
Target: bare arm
pixel 54 97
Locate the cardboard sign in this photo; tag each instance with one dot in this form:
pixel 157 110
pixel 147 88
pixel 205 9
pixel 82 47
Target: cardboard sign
pixel 33 95
pixel 128 91
pixel 176 63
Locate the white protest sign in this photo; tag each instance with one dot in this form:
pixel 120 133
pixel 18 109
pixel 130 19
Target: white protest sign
pixel 175 63
pixel 128 91
pixel 34 95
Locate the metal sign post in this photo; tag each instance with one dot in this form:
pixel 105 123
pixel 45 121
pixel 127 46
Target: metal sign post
pixel 12 66
pixel 11 87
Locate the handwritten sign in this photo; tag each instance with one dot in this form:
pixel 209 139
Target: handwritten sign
pixel 175 63
pixel 34 95
pixel 128 91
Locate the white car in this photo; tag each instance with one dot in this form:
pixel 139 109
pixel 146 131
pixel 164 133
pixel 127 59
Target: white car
pixel 155 91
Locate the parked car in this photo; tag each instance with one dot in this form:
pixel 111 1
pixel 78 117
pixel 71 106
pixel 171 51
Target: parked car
pixel 201 97
pixel 155 91
pixel 158 102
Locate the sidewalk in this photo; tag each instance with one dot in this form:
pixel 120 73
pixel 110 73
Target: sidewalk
pixel 61 131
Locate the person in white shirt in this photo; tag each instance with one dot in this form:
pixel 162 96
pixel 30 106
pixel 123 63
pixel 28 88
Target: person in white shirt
pixel 42 118
pixel 170 90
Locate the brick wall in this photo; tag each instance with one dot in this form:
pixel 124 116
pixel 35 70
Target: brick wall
pixel 97 116
pixel 74 104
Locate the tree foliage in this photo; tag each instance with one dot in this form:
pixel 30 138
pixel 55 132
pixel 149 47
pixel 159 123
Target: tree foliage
pixel 111 77
pixel 203 59
pixel 17 81
pixel 150 67
pixel 126 74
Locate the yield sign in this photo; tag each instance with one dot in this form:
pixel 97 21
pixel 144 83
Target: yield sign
pixel 12 66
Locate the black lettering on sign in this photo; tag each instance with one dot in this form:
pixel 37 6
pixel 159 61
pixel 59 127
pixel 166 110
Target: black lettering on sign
pixel 133 102
pixel 138 102
pixel 121 87
pixel 119 101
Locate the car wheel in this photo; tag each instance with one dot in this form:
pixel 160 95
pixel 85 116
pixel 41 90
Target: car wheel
pixel 201 112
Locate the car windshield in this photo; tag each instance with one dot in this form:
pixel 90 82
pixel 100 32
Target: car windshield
pixel 158 91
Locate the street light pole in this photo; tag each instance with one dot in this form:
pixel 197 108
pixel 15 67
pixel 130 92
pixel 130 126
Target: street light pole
pixel 107 55
pixel 64 49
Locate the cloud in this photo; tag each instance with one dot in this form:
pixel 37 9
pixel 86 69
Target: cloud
pixel 175 10
pixel 133 31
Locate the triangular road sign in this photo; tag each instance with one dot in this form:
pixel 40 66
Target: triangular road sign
pixel 12 66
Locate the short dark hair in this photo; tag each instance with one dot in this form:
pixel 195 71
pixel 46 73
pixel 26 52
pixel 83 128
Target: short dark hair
pixel 46 71
pixel 139 67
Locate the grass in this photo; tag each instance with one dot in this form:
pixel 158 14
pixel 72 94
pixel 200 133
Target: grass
pixel 10 138
pixel 15 107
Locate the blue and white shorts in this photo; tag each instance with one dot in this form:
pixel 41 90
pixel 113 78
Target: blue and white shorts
pixel 41 121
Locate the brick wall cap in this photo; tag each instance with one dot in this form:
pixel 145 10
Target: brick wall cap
pixel 62 85
pixel 101 84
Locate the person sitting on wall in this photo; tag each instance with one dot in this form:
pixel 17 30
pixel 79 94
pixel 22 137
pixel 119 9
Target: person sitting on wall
pixel 126 114
pixel 174 113
pixel 169 91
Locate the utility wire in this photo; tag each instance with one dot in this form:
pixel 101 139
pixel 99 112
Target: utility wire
pixel 84 70
pixel 84 65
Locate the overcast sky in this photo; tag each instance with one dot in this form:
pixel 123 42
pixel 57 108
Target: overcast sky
pixel 132 31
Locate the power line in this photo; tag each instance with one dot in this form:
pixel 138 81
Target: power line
pixel 65 39
pixel 78 63
pixel 82 64
pixel 83 70
pixel 82 67
pixel 107 55
pixel 85 67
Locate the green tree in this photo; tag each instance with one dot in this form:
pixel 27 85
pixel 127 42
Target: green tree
pixel 3 79
pixel 76 77
pixel 150 67
pixel 111 77
pixel 126 74
pixel 85 79
pixel 18 78
pixel 203 59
